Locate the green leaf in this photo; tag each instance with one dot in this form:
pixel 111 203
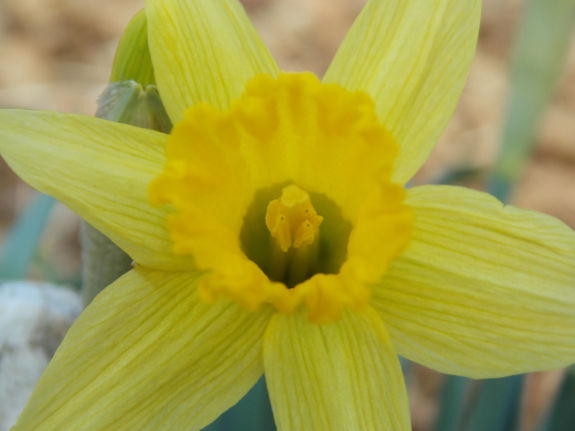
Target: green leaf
pixel 133 61
pixel 22 240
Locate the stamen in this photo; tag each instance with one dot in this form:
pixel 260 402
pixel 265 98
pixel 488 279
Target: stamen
pixel 292 220
pixel 294 224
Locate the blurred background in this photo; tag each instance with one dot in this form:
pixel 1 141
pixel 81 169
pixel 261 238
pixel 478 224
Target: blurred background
pixel 57 55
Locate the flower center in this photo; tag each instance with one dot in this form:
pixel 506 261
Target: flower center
pixel 287 238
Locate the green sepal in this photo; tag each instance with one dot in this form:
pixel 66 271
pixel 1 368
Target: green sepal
pixel 129 103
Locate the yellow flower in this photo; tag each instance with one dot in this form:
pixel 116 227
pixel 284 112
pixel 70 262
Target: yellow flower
pixel 274 181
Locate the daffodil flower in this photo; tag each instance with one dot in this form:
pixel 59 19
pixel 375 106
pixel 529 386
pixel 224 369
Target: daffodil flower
pixel 272 232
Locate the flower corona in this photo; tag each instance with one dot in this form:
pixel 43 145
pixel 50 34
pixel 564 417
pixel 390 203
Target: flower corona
pixel 303 141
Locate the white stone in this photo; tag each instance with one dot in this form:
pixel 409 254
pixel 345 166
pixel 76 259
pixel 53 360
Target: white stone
pixel 34 317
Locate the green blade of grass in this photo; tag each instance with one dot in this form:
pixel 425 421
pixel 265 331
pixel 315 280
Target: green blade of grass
pixel 544 38
pixel 252 413
pixel 22 240
pixel 498 405
pixel 562 415
pixel 453 400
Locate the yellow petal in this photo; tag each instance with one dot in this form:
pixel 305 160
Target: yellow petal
pixel 203 51
pixel 341 376
pixel 147 354
pixel 101 170
pixel 412 57
pixel 483 290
